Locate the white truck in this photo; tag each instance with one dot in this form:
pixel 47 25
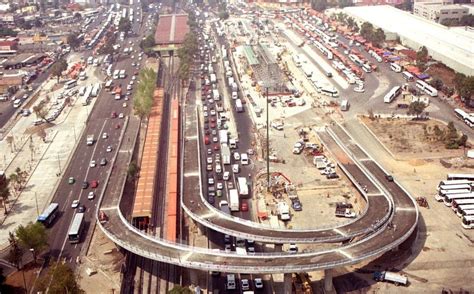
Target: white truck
pixel 215 95
pixel 395 278
pixel 225 150
pixel 213 78
pixel 234 200
pixel 223 138
pixel 90 140
pixel 283 211
pixel 243 186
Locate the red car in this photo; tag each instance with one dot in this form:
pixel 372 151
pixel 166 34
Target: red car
pixel 113 114
pixel 213 125
pixel 94 184
pixel 206 140
pixel 217 147
pixel 244 206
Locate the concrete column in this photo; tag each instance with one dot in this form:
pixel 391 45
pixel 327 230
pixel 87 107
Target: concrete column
pixel 328 286
pixel 287 283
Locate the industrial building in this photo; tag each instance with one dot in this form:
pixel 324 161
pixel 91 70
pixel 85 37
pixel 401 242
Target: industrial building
pixel 451 47
pixel 439 12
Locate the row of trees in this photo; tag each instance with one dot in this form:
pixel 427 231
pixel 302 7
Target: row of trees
pixel 321 5
pixel 185 55
pixel 33 238
pixel 143 101
pixel 347 20
pixel 465 87
pixel 376 36
pixel 16 180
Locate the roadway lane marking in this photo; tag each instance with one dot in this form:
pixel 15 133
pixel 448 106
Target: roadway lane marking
pixel 405 208
pixel 194 137
pixel 191 174
pixel 340 232
pixel 345 254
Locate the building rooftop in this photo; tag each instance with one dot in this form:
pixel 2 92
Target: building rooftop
pixel 171 29
pixel 251 58
pixel 456 49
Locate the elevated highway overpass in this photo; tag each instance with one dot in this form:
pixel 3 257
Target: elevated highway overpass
pixel 390 218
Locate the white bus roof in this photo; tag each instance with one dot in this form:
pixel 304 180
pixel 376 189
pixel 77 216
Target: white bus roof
pixel 459 196
pixel 76 224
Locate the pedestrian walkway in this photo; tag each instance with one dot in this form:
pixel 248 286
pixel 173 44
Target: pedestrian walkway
pixel 43 160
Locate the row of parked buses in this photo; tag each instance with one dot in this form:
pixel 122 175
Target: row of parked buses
pixel 457 192
pixel 467 118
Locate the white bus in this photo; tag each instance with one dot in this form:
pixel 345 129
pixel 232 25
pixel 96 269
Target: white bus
pixel 466 211
pixel 460 208
pixel 468 221
pixel 408 76
pixel 329 91
pixel 395 67
pixel 453 183
pixel 242 185
pixel 87 96
pixel 423 86
pixel 469 121
pixel 465 117
pixel 442 193
pixel 458 202
pixel 392 94
pixel 454 187
pixel 70 84
pixel 469 177
pixel 95 90
pixel 75 229
pixel 448 199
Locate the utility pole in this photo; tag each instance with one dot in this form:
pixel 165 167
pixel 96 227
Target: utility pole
pixel 268 143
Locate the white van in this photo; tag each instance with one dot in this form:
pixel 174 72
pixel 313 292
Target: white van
pixel 230 285
pixel 226 176
pixel 17 103
pixel 218 168
pixel 244 159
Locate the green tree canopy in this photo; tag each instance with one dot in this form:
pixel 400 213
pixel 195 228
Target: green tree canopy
pixel 33 236
pixel 7 32
pixel 125 25
pixel 73 41
pixel 319 5
pixel 58 68
pixel 60 279
pixel 416 108
pixel 143 101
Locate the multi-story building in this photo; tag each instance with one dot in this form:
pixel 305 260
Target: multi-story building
pixel 439 11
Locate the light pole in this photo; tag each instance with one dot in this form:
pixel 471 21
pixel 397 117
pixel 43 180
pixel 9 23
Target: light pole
pixel 268 142
pixel 32 250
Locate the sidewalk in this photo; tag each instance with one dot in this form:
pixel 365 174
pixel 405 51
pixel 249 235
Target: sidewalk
pixel 43 161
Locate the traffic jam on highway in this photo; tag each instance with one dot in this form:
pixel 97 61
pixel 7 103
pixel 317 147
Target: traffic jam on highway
pixel 86 176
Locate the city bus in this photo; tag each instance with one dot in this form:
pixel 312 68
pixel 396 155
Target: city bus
pixel 392 94
pixel 468 221
pixel 448 199
pixel 458 202
pixel 422 85
pixel 395 67
pixel 408 76
pixel 443 193
pixel 70 84
pixel 329 91
pixel 48 215
pixel 453 182
pixel 460 211
pixel 75 229
pixel 469 177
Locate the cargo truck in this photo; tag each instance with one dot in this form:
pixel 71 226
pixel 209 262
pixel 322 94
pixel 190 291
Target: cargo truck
pixel 90 140
pixel 243 186
pixel 283 211
pixel 213 78
pixel 395 278
pixel 225 150
pixel 238 106
pixel 234 200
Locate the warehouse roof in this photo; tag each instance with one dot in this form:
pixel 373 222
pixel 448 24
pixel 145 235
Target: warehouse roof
pixel 449 46
pixel 171 29
pixel 251 58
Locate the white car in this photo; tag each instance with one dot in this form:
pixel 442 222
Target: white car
pixel 258 283
pixel 131 83
pixel 245 284
pixel 75 203
pixel 236 156
pixel 129 87
pixel 105 136
pixel 213 112
pixel 124 105
pixel 209 160
pixel 92 164
pixel 121 115
pixel 210 181
pixel 91 195
pixel 214 139
pixel 205 114
pixel 134 78
pixel 220 186
pixel 235 168
pixel 109 149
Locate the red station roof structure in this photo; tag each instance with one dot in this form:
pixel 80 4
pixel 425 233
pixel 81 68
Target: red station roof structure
pixel 171 29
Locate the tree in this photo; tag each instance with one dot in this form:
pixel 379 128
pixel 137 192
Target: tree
pixel 73 41
pixel 319 5
pixel 4 191
pixel 180 290
pixel 148 43
pixel 33 237
pixel 437 84
pixel 378 37
pixel 7 32
pixel 416 108
pixel 58 68
pixel 60 279
pixel 143 101
pixel 422 55
pixel 451 137
pixel 125 25
pixel 345 3
pixel 366 30
pixel 132 170
pixel 77 15
pixel 15 255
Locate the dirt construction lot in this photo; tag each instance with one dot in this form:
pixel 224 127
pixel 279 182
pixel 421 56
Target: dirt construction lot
pixel 410 139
